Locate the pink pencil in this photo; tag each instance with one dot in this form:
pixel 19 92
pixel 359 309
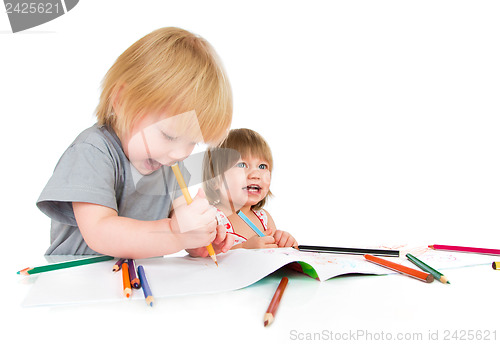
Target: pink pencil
pixel 466 249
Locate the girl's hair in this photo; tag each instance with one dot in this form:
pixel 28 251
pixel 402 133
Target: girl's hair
pixel 239 142
pixel 169 70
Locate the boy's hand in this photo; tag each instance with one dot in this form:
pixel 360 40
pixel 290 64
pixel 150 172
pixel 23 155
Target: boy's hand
pixel 284 239
pixel 222 243
pixel 259 242
pixel 194 223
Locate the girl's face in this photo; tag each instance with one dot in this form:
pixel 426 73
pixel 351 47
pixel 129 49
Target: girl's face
pixel 157 140
pixel 246 184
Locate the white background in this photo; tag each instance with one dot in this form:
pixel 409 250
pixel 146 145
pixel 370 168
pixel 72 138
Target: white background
pixel 383 116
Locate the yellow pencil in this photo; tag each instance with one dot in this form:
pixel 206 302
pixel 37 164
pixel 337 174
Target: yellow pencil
pixel 187 196
pixel 496 265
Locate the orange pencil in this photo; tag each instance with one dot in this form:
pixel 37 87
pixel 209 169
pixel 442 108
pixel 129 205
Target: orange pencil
pixel 127 289
pixel 275 301
pixel 420 275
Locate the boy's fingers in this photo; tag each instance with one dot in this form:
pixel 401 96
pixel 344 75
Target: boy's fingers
pixel 221 234
pixel 228 242
pixel 200 194
pixel 179 201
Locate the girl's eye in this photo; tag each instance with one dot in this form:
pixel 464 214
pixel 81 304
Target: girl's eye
pixel 263 166
pixel 241 165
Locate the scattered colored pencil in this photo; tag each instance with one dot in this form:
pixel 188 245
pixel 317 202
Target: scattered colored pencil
pixel 437 275
pixel 134 280
pixel 145 286
pixel 127 289
pixel 275 301
pixel 118 264
pixel 349 250
pixel 63 265
pixel 420 275
pixel 496 265
pixel 466 249
pixel 249 223
pixel 187 196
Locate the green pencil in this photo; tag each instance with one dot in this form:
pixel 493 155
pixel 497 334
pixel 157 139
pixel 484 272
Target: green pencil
pixel 63 265
pixel 437 275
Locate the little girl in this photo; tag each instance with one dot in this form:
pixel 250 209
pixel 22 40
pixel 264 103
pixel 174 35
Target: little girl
pixel 238 178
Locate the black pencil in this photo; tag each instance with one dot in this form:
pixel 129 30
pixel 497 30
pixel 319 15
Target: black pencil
pixel 350 250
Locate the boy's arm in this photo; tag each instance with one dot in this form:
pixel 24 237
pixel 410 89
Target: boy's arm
pixel 107 233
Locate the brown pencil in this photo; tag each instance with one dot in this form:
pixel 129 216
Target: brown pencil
pixel 420 275
pixel 275 301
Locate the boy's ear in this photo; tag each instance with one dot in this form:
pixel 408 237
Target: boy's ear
pixel 116 99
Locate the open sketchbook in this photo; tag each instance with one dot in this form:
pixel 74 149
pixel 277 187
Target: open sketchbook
pixel 174 276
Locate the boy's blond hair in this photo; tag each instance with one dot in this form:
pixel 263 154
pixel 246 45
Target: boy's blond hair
pixel 239 142
pixel 170 70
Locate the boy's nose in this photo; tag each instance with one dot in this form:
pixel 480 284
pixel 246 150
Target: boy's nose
pixel 178 155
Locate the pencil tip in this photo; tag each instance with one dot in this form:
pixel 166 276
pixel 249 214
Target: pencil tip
pixel 266 323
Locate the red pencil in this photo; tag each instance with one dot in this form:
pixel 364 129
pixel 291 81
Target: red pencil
pixel 466 249
pixel 275 301
pixel 420 275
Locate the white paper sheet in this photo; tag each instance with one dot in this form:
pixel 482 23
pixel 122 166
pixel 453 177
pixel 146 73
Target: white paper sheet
pixel 174 276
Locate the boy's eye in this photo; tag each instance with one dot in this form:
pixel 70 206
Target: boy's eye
pixel 263 166
pixel 241 165
pixel 168 137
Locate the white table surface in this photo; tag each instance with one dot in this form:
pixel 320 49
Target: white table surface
pixel 343 309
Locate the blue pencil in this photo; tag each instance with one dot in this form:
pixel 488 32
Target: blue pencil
pixel 145 286
pixel 250 223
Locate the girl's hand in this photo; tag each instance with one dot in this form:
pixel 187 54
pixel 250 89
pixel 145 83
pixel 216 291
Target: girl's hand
pixel 259 242
pixel 284 239
pixel 222 243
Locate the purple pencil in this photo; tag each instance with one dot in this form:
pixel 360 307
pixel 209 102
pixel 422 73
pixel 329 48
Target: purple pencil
pixel 134 280
pixel 118 264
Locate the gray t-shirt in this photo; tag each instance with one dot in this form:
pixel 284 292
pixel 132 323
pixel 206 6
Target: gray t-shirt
pixel 94 169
